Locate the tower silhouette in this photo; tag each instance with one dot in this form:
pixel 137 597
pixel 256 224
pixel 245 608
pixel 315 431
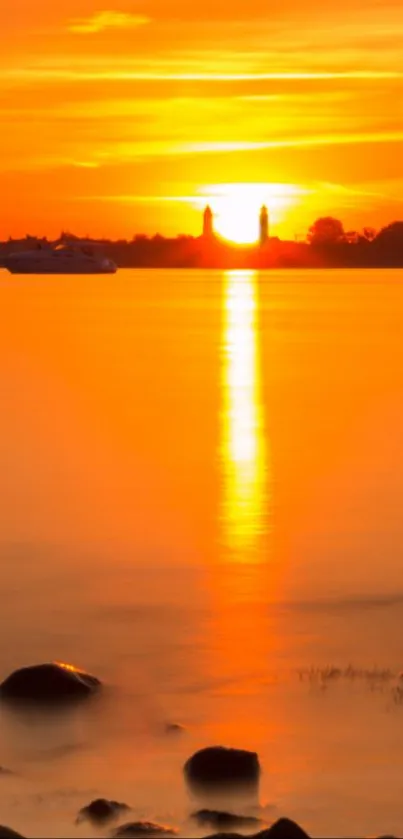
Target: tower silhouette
pixel 264 225
pixel 208 231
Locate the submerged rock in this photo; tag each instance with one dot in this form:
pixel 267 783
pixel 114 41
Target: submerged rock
pixel 102 810
pixel 282 829
pixel 217 766
pixel 222 819
pixel 8 833
pixel 226 836
pixel 142 830
pixel 53 682
pixel 174 728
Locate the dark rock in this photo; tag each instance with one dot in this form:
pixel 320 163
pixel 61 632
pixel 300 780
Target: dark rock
pixel 54 682
pixel 218 766
pixel 282 829
pixel 226 836
pixel 8 833
pixel 102 810
pixel 222 819
pixel 142 830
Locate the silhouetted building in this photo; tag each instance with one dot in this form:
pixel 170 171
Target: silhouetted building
pixel 264 225
pixel 208 230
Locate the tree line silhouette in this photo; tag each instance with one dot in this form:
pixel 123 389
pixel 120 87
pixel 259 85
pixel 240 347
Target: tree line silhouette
pixel 327 244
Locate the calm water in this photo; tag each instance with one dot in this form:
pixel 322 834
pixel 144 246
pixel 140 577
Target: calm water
pixel 201 495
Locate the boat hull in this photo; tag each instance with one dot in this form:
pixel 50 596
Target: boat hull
pixel 55 262
pixel 42 271
pixel 25 269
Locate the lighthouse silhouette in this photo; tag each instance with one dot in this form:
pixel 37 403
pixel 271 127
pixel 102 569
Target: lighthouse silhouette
pixel 208 231
pixel 264 226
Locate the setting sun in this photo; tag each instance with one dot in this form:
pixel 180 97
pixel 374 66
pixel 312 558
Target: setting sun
pixel 236 207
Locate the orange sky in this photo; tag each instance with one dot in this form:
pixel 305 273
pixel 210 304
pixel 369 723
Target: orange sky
pixel 112 115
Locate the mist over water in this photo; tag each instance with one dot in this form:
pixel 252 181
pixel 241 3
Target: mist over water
pixel 200 503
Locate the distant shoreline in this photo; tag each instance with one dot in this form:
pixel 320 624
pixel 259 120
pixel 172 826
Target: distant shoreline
pixel 327 246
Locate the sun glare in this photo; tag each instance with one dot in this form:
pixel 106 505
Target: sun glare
pixel 236 207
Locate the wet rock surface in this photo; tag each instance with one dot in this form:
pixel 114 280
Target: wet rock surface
pixel 142 830
pixel 223 819
pixel 102 810
pixel 218 766
pixel 53 682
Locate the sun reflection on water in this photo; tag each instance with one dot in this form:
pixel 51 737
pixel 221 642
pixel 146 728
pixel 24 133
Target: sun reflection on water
pixel 244 448
pixel 243 631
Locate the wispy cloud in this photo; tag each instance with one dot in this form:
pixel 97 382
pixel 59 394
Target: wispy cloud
pixel 347 192
pixel 121 154
pixel 106 20
pixel 126 151
pixel 56 74
pixel 237 190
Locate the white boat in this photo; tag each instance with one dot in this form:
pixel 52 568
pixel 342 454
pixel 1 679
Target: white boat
pixel 59 260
